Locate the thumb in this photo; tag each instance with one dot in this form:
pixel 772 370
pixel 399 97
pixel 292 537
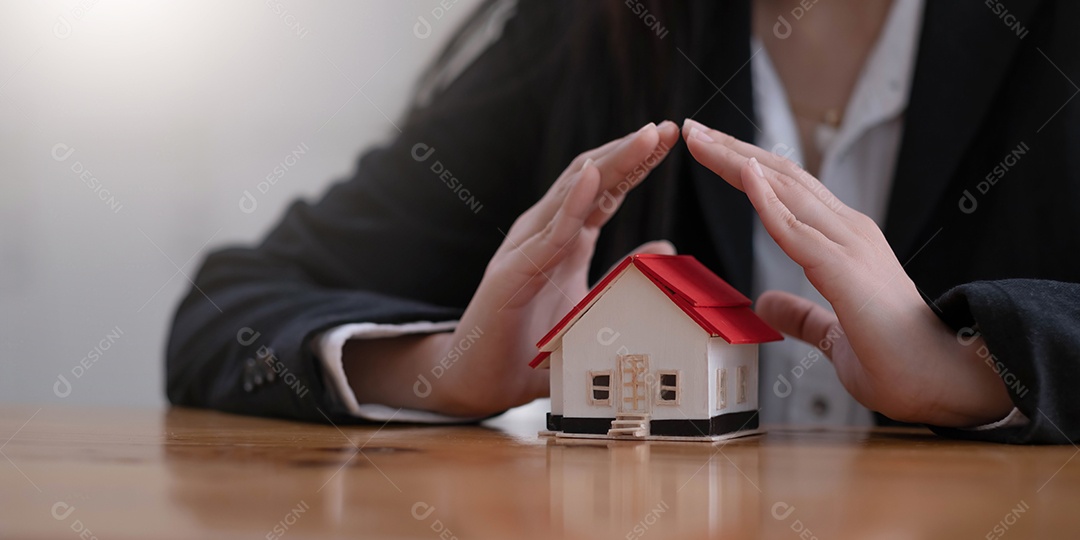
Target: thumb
pixel 800 318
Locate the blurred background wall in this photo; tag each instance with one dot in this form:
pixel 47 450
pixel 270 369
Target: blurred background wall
pixel 130 131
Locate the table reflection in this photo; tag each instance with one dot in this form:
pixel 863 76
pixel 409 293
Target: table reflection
pixel 652 489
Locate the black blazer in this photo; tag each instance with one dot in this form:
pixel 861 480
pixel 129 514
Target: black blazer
pixel 982 212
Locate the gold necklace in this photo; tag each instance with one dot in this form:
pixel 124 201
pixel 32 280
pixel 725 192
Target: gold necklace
pixel 831 117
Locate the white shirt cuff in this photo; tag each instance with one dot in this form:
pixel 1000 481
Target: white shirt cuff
pixel 1014 419
pixel 328 346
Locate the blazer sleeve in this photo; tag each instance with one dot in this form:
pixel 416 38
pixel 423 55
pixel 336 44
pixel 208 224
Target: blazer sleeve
pixel 405 239
pixel 1032 334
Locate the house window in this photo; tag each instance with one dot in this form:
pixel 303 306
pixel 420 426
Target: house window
pixel 721 388
pixel 600 388
pixel 669 388
pixel 740 384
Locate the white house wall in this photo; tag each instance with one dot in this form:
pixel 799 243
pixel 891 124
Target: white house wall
pixel 635 317
pixel 726 355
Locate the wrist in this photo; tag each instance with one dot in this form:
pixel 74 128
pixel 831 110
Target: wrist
pixel 977 396
pixel 397 371
pixel 994 401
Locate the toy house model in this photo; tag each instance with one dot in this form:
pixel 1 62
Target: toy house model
pixel 661 348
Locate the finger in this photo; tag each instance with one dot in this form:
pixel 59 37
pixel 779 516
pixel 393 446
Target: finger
pixel 703 144
pixel 606 204
pixel 547 247
pixel 624 158
pixel 603 150
pixel 630 169
pixel 805 245
pixel 816 210
pixel 610 158
pixel 770 160
pixel 800 318
pixel 540 214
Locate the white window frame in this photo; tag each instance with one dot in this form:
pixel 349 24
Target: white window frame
pixel 721 389
pixel 661 387
pixel 591 387
pixel 742 373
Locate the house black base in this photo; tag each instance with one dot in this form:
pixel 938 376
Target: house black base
pixel 717 425
pixel 554 422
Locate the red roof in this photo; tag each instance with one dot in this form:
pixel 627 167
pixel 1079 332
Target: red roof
pixel 709 301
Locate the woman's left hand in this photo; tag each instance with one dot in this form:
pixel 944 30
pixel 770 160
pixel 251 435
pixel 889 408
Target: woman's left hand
pixel 890 350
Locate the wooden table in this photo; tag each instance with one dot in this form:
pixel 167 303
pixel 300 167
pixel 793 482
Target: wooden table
pixel 115 473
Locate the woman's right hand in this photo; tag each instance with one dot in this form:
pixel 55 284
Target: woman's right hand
pixel 535 277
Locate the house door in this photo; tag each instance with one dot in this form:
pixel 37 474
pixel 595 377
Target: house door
pixel 633 384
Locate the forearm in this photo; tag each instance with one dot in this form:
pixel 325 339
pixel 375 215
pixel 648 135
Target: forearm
pixel 397 371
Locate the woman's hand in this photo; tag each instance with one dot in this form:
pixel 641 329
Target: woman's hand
pixel 535 277
pixel 891 352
